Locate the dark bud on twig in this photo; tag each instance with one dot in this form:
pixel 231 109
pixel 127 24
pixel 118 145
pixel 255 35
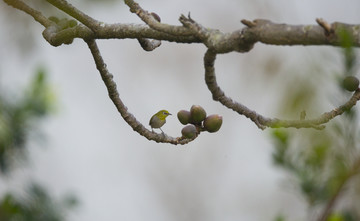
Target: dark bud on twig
pixel 156 16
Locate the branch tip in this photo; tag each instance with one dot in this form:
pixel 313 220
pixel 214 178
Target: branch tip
pixel 325 25
pixel 248 23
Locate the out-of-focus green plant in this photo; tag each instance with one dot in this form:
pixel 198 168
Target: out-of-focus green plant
pixel 19 118
pixel 280 218
pixel 37 205
pixel 348 52
pixel 324 164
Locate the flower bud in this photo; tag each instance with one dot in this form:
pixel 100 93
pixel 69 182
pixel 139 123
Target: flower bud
pixel 350 83
pixel 213 123
pixel 198 114
pixel 189 131
pixel 184 116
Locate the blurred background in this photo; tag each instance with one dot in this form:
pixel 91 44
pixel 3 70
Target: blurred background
pixel 65 148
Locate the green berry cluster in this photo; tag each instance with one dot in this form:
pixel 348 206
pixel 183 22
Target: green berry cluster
pixel 197 121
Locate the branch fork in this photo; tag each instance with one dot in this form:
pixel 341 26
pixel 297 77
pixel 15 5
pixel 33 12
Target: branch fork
pixel 215 40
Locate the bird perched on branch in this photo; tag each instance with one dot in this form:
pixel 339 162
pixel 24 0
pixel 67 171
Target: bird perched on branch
pixel 159 119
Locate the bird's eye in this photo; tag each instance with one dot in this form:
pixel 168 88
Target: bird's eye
pixel 165 113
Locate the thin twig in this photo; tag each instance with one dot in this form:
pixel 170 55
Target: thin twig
pixel 219 95
pixel 66 7
pixel 326 26
pixel 248 23
pixel 154 23
pixel 261 121
pixel 38 16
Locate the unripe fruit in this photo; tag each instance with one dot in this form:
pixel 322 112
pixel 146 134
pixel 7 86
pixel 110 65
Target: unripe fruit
pixel 184 116
pixel 213 123
pixel 198 114
pixel 189 131
pixel 350 83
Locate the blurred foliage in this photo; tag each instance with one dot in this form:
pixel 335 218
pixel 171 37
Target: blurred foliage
pixel 37 205
pixel 19 118
pixel 345 216
pixel 280 218
pixel 322 163
pixel 348 51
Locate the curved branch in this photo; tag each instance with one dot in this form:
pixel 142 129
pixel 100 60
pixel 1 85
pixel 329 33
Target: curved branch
pixel 261 121
pixel 114 96
pixel 38 16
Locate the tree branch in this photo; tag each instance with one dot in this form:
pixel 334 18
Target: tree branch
pixel 114 96
pixel 217 42
pixel 264 31
pixel 38 16
pixel 261 121
pixel 258 30
pixel 117 31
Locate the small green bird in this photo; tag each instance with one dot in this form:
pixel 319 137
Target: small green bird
pixel 159 119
